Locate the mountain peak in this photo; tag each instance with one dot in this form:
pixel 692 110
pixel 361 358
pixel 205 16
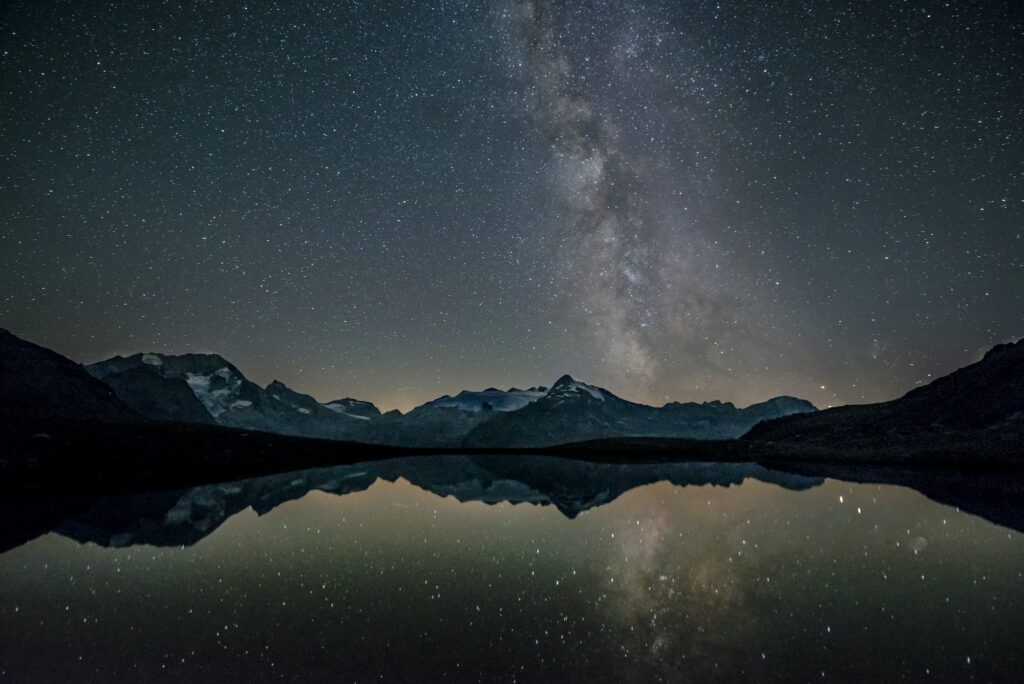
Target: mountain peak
pixel 167 365
pixel 1007 348
pixel 567 387
pixel 787 400
pixel 354 408
pixel 159 358
pixel 474 401
pixel 564 380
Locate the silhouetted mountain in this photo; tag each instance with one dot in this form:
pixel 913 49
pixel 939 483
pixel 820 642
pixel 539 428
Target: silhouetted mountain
pixel 573 411
pixel 38 385
pixel 980 407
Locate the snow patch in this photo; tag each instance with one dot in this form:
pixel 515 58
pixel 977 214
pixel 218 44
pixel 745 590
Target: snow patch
pixel 588 389
pixel 498 400
pixel 219 400
pixel 568 389
pixel 340 408
pixel 152 360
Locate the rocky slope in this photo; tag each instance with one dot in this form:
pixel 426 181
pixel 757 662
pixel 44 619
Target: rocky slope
pixel 980 406
pixel 38 385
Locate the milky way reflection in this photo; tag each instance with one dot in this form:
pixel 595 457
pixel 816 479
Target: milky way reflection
pixel 393 582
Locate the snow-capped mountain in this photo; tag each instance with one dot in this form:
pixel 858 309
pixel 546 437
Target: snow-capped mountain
pixel 354 408
pixel 569 390
pixel 49 401
pixel 574 411
pixel 206 388
pixel 490 399
pixel 445 421
pixel 568 411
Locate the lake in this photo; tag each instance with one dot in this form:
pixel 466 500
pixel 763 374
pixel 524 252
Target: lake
pixel 517 569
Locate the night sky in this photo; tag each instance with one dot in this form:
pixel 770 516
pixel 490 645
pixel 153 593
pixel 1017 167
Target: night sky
pixel 674 200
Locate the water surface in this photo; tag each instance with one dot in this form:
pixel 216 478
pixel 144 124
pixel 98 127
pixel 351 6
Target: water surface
pixel 469 569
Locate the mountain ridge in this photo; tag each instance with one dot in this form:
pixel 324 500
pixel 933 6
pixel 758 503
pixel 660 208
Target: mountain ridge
pixel 454 421
pixel 976 409
pixel 981 403
pixel 36 381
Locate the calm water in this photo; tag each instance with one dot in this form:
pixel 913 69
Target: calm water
pixel 499 571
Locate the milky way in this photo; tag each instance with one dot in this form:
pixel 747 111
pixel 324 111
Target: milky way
pixel 609 259
pixel 630 272
pixel 675 200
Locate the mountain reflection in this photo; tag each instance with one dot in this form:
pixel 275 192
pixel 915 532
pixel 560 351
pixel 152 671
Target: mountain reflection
pixel 531 569
pixel 182 518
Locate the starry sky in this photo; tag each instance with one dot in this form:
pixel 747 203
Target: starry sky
pixel 672 199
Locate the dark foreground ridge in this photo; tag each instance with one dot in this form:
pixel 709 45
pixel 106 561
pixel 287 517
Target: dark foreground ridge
pixel 977 409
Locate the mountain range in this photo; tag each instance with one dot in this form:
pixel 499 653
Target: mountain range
pixel 201 407
pixel 206 388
